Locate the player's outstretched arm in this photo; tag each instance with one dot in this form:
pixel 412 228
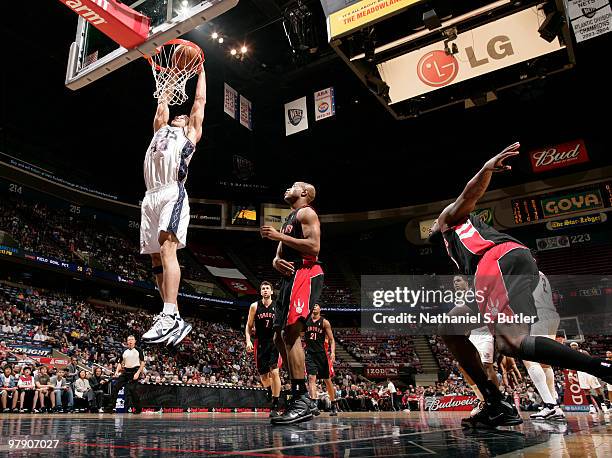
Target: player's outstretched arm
pixel 196 117
pixel 249 326
pixel 466 203
pixel 162 114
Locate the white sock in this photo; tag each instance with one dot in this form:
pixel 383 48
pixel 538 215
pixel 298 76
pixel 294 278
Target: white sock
pixel 550 381
pixel 539 380
pixel 169 308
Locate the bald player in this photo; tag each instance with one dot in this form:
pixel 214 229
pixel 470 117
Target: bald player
pixel 297 259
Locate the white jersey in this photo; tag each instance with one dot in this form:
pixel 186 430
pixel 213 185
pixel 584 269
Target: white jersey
pixel 167 158
pixel 543 296
pixel 548 318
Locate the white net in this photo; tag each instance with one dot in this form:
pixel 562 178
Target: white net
pixel 173 64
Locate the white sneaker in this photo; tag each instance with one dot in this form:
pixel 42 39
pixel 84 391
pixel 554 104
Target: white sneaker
pixel 592 409
pixel 549 412
pixel 604 409
pixel 179 333
pixel 163 326
pixel 542 414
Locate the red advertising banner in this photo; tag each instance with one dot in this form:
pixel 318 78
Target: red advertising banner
pixel 450 403
pixel 558 156
pixel 239 286
pixel 573 395
pixel 119 22
pixel 55 362
pixel 381 372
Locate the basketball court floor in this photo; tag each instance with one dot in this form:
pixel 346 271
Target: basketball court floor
pixel 348 435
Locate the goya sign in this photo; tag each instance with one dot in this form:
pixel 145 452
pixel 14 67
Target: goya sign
pixel 571 203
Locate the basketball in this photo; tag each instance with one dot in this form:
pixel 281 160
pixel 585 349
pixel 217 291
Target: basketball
pixel 185 57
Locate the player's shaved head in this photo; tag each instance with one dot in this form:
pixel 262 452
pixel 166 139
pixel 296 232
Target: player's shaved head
pixel 311 192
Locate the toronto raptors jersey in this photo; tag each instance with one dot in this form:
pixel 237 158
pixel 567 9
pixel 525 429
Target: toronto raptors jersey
pixel 167 158
pixel 467 242
pixel 293 228
pixel 264 321
pixel 315 335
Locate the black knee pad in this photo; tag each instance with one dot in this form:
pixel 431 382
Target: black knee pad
pixel 158 270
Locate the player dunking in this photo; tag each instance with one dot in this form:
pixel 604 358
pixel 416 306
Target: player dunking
pixel 297 260
pixel 267 358
pixel 506 274
pixel 165 207
pixel 319 339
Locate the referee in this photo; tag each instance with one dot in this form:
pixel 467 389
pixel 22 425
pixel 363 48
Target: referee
pixel 132 362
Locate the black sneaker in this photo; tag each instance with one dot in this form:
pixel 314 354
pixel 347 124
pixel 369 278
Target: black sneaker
pixel 499 413
pixel 274 413
pixel 297 411
pixel 314 407
pixel 334 410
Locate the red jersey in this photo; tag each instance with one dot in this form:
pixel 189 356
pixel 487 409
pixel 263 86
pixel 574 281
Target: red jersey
pixel 467 242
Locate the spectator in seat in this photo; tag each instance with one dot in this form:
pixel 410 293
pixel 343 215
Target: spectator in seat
pixel 44 390
pixel 8 389
pixel 72 370
pixel 26 387
pixel 99 385
pixel 82 390
pixel 62 391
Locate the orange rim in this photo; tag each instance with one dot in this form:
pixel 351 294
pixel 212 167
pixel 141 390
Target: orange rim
pixel 176 41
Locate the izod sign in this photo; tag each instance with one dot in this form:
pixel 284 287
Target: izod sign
pixel 572 203
pixel 555 157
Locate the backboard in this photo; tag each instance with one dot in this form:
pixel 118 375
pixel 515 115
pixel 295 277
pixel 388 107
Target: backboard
pixel 93 54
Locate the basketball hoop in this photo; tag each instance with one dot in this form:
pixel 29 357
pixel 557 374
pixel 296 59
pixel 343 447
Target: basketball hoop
pixel 173 64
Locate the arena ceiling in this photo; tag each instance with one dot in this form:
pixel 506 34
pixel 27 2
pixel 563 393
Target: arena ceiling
pixel 360 159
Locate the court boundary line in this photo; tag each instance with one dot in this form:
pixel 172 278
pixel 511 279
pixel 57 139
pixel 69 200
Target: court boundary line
pixel 387 436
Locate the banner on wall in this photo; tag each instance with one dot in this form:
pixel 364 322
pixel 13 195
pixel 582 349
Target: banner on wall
pixel 485 49
pixel 558 156
pixel 552 243
pixel 571 203
pixel 296 116
pixel 450 403
pixel 485 215
pixel 573 396
pixel 589 18
pixel 381 372
pixel 30 350
pixel 240 287
pixel 576 221
pixel 246 113
pixel 325 104
pixel 230 101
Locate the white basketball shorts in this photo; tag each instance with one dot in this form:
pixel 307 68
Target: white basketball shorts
pixel 165 208
pixel 483 341
pixel 587 381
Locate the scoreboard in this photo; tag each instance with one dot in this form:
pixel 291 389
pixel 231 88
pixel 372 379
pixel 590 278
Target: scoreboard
pixel 560 203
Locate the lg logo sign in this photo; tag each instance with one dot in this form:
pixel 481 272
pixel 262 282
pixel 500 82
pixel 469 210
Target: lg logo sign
pixel 438 69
